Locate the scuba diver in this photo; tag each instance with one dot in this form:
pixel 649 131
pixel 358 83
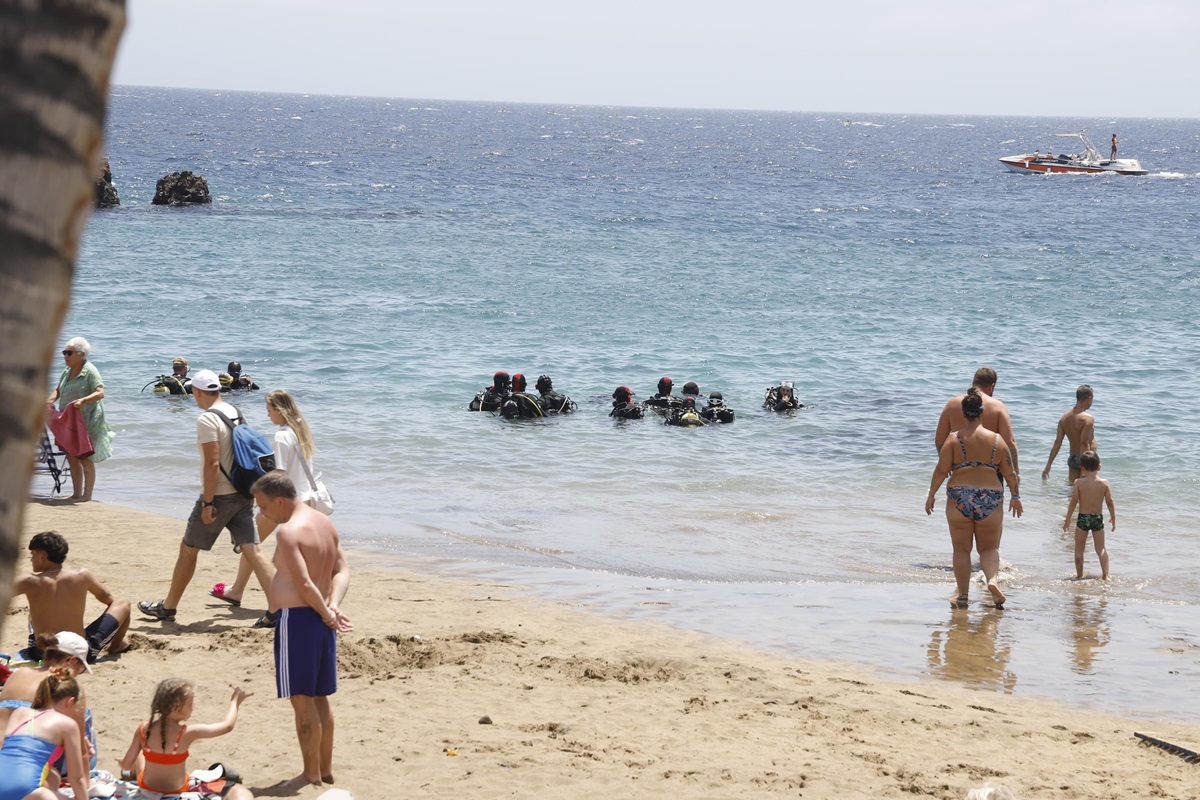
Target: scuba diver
pixel 623 405
pixel 663 400
pixel 781 398
pixel 493 397
pixel 716 410
pixel 685 415
pixel 691 388
pixel 520 404
pixel 551 401
pixel 175 383
pixel 232 379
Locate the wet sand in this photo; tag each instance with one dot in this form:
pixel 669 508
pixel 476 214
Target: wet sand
pixel 453 687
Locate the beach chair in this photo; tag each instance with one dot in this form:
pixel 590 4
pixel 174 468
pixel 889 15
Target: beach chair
pixel 51 460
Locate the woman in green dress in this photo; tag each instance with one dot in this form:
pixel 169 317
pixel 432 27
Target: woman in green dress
pixel 80 385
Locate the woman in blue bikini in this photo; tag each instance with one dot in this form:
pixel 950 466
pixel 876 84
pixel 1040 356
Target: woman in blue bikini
pixel 974 494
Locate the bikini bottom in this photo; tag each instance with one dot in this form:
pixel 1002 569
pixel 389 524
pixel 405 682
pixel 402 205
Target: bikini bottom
pixel 976 503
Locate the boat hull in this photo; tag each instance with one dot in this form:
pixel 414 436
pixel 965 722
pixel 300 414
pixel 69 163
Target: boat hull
pixel 1044 165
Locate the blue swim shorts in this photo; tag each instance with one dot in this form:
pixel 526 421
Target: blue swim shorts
pixel 305 654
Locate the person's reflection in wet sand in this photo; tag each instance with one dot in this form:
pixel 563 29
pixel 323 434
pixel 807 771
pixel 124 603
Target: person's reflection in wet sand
pixel 1089 631
pixel 972 649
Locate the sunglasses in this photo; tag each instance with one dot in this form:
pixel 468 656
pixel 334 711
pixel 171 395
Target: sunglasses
pixel 68 352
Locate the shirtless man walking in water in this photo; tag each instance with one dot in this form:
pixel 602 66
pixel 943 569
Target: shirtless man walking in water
pixel 311 578
pixel 995 414
pixel 1080 429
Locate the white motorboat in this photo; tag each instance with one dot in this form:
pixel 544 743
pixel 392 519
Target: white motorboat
pixel 1089 161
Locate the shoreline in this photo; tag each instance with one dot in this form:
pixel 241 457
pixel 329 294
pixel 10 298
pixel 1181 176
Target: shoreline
pixel 1088 646
pixel 578 702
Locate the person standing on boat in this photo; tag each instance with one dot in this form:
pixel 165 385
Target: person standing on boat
pixel 1112 156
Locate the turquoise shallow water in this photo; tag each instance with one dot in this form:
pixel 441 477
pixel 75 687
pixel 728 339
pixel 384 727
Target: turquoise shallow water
pixel 380 259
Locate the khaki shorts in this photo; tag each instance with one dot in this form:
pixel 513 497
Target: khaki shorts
pixel 233 512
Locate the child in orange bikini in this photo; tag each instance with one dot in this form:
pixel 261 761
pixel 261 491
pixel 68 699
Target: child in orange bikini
pixel 1090 494
pixel 159 750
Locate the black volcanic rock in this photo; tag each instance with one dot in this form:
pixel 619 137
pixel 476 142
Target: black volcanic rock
pixel 181 189
pixel 106 193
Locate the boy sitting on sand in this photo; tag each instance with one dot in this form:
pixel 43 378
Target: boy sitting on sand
pixel 1090 493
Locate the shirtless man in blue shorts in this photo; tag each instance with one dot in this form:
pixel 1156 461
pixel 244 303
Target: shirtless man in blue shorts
pixel 311 578
pixel 58 598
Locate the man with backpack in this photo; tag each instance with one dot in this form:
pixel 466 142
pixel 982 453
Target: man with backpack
pixel 230 461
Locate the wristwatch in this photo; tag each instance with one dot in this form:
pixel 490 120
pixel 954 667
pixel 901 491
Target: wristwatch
pixel 208 503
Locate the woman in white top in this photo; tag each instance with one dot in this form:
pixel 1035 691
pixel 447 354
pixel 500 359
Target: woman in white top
pixel 294 449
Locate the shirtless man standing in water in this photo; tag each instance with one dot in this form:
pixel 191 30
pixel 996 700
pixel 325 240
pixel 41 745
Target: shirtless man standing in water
pixel 310 582
pixel 995 415
pixel 1080 429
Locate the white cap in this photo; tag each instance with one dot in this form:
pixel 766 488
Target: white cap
pixel 73 645
pixel 206 380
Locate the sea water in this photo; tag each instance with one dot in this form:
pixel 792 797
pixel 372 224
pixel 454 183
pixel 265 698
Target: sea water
pixel 380 259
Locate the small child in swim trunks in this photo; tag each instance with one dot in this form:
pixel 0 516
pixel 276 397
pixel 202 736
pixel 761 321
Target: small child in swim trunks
pixel 158 754
pixel 1090 494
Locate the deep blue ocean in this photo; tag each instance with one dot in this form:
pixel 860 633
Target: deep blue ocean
pixel 380 259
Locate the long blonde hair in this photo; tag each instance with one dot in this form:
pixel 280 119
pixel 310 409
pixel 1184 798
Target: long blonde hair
pixel 282 402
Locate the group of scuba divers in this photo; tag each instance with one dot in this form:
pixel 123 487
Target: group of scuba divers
pixel 508 398
pixel 178 382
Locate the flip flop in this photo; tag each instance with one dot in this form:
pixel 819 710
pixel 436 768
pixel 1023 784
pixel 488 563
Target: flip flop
pixel 218 591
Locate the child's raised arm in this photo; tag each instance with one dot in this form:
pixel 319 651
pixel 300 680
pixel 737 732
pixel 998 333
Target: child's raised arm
pixel 1112 511
pixel 221 728
pixel 1071 506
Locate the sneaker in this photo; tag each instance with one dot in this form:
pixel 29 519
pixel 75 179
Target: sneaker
pixel 156 610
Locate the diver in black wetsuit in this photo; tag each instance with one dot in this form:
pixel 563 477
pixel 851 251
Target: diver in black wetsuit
pixel 520 404
pixel 781 398
pixel 623 405
pixel 551 401
pixel 663 400
pixel 237 381
pixel 716 410
pixel 685 414
pixel 178 381
pixel 493 397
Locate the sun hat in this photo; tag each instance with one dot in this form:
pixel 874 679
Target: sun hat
pixel 179 361
pixel 206 380
pixel 73 645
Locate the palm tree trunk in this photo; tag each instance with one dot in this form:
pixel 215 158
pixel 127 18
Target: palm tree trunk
pixel 55 60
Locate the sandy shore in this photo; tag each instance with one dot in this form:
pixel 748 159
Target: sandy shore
pixel 579 705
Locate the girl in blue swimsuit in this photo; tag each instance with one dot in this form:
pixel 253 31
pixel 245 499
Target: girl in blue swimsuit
pixel 35 738
pixel 975 493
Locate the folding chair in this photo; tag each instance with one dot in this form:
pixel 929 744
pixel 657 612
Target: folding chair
pixel 51 460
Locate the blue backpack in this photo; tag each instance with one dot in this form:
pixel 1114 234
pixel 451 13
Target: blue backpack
pixel 253 456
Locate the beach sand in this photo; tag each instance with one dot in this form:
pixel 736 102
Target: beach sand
pixel 454 688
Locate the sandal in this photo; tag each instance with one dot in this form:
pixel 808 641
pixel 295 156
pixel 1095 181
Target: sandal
pixel 218 591
pixel 156 610
pixel 267 620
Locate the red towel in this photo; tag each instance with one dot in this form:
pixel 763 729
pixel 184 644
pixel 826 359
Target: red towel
pixel 70 432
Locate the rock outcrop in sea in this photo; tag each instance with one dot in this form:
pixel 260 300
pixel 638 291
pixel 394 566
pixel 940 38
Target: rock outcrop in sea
pixel 181 189
pixel 106 193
